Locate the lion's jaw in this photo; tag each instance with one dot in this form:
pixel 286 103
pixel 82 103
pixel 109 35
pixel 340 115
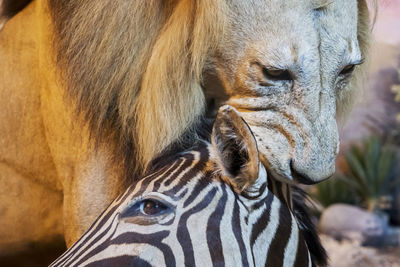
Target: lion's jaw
pixel 292 147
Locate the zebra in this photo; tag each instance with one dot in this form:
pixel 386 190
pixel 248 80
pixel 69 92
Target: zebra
pixel 213 205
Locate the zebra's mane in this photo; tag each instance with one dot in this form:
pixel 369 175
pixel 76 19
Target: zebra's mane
pixel 202 132
pixel 307 227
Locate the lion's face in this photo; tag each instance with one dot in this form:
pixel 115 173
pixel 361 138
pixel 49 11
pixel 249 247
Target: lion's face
pixel 285 64
pixel 285 73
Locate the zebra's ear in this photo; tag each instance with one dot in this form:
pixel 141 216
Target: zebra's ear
pixel 236 148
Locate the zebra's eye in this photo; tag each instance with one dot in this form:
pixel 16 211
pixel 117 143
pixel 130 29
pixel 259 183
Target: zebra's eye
pixel 152 207
pixel 146 208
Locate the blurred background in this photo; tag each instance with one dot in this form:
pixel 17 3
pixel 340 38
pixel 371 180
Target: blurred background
pixel 358 211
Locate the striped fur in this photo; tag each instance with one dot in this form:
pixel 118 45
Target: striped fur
pixel 210 224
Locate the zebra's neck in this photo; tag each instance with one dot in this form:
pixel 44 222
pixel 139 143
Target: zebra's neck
pixel 283 191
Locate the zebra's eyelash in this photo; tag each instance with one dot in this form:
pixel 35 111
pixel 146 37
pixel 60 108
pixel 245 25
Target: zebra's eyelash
pixel 132 202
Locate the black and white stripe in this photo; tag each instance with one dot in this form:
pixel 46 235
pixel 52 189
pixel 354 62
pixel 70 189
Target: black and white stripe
pixel 210 224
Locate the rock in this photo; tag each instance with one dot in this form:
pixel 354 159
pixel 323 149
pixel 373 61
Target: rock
pixel 343 221
pixel 394 211
pixel 350 254
pixel 392 237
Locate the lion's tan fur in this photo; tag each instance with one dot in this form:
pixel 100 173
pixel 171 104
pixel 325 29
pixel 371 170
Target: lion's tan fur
pixel 132 69
pixel 144 83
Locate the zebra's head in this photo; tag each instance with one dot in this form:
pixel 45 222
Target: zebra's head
pixel 209 206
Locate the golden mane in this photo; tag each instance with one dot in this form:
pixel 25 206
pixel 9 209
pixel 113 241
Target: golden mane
pixel 134 68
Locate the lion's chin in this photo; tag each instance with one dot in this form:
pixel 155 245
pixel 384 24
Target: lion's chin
pixel 284 163
pixel 294 150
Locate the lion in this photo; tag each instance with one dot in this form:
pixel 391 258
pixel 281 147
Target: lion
pixel 92 91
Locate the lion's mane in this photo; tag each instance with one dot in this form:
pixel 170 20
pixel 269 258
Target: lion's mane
pixel 134 68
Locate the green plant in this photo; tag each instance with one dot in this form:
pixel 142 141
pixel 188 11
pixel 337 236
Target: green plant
pixel 371 171
pixel 335 190
pixel 367 181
